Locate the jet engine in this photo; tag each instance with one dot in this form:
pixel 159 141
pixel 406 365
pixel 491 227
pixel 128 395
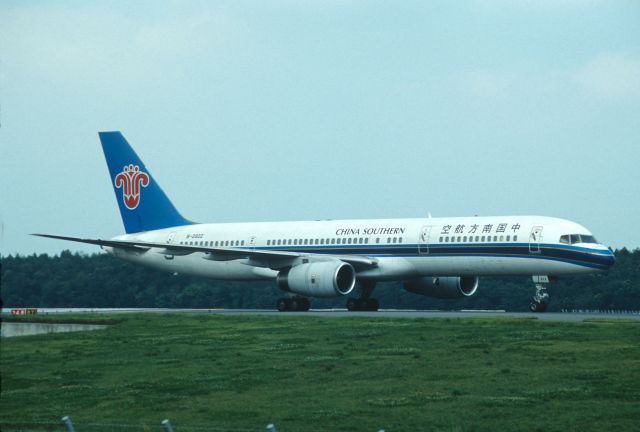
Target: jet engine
pixel 443 287
pixel 318 279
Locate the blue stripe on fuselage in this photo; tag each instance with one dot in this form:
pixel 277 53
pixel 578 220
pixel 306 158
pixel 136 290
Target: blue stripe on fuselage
pixel 586 257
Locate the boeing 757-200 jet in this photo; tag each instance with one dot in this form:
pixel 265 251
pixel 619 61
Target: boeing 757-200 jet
pixel 436 257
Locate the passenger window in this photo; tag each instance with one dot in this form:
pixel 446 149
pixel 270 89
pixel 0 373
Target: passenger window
pixel 395 240
pixel 477 238
pixel 366 240
pixel 440 239
pixel 515 238
pixel 306 241
pixel 495 238
pixel 464 239
pixel 226 242
pixel 459 239
pixel 377 239
pixel 388 239
pixel 242 243
pixel 508 238
pixel 501 238
pixel 399 239
pixel 488 238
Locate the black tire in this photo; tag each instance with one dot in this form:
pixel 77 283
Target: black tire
pixel 538 307
pixel 283 305
pixel 353 305
pixel 373 305
pixel 294 304
pixel 305 304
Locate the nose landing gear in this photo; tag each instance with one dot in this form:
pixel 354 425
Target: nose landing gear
pixel 540 300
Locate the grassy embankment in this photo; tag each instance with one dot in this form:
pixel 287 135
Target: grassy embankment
pixel 310 373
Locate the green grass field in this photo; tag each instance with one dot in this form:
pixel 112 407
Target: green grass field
pixel 336 374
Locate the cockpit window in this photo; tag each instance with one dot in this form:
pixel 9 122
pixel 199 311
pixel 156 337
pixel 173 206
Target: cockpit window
pixel 577 238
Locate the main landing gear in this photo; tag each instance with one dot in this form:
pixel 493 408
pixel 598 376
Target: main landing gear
pixel 364 302
pixel 293 304
pixel 540 300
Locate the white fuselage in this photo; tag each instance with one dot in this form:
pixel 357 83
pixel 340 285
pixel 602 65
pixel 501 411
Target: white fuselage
pixel 403 248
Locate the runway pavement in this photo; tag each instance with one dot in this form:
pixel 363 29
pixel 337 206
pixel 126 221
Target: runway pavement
pixel 384 313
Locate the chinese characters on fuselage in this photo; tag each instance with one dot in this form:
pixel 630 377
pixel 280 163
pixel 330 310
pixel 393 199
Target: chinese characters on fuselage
pixel 485 229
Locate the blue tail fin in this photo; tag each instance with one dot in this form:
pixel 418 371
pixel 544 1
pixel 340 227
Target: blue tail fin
pixel 143 204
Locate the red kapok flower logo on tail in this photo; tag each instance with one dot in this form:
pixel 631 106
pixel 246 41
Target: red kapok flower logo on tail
pixel 130 179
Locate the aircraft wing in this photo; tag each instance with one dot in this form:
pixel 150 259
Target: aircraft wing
pixel 258 258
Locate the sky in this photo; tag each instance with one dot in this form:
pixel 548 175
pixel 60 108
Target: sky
pixel 301 110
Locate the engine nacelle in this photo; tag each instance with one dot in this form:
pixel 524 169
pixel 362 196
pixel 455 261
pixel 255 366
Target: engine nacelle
pixel 319 279
pixel 443 287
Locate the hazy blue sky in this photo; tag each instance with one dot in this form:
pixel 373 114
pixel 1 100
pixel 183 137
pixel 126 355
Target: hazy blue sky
pixel 289 110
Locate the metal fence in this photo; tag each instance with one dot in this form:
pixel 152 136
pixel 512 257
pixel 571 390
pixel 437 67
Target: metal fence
pixel 601 311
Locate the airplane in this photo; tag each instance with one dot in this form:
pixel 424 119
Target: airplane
pixel 434 257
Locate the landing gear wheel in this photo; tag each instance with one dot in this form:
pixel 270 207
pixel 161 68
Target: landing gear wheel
pixel 538 307
pixel 372 305
pixel 304 304
pixel 363 304
pixel 283 304
pixel 298 304
pixel 352 304
pixel 294 304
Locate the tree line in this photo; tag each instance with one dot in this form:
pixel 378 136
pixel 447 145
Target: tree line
pixel 103 281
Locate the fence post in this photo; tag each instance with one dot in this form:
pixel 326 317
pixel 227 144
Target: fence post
pixel 271 427
pixel 166 425
pixel 67 423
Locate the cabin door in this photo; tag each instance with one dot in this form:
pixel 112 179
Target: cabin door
pixel 170 239
pixel 423 239
pixel 534 239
